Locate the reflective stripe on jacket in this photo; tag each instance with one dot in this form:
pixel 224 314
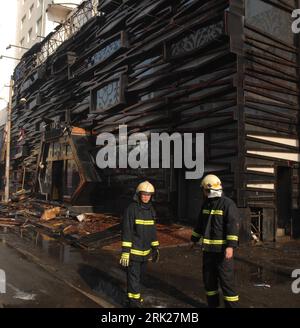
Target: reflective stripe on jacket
pixel 217 225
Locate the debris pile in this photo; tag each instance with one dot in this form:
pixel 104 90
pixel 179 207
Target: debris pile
pixel 87 230
pixel 59 221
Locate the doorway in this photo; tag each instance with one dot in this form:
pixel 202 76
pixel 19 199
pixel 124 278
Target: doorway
pixel 284 200
pixel 57 180
pixel 190 199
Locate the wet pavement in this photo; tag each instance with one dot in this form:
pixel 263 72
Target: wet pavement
pixel 257 286
pixel 96 278
pixel 27 285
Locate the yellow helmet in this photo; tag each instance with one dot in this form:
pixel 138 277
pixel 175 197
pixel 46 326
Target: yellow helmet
pixel 145 186
pixel 211 182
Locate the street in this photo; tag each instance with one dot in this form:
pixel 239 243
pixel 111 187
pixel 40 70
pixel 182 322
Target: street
pixel 28 285
pixel 45 272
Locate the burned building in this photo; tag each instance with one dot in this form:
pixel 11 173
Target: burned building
pixel 226 68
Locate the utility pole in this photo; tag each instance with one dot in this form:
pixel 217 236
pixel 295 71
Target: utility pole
pixel 8 132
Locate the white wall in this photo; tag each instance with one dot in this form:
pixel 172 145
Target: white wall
pixel 30 23
pixel 3 116
pixel 8 14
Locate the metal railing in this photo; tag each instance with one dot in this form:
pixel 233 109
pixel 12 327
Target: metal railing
pixel 70 27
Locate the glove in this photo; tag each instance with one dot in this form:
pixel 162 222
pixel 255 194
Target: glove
pixel 124 261
pixel 194 243
pixel 155 255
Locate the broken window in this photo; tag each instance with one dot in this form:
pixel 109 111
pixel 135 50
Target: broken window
pixel 108 95
pixel 197 39
pixel 104 53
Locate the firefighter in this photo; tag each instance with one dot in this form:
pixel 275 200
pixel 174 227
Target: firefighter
pixel 217 230
pixel 139 241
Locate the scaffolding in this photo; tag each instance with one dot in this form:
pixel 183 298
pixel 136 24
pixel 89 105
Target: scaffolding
pixel 257 224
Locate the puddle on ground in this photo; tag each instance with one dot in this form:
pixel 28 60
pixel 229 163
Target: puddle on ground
pixel 21 295
pixel 61 251
pixel 99 281
pixel 258 275
pixel 103 282
pixel 288 263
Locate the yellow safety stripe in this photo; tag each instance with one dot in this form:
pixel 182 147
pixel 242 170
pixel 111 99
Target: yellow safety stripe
pixel 214 242
pixel 232 237
pixel 135 296
pixel 126 244
pixel 212 293
pixel 213 212
pixel 125 255
pixel 216 212
pixel 145 222
pixel 231 298
pixel 140 253
pixel 195 234
pixel 155 243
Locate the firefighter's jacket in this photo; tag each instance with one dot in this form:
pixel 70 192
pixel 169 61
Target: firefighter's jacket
pixel 139 231
pixel 218 225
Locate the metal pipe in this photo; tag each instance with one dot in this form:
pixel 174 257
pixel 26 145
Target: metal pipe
pixel 2 56
pixel 43 31
pixel 12 45
pixel 7 166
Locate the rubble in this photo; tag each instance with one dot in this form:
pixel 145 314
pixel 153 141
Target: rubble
pixel 71 229
pixel 58 221
pixel 80 217
pixel 50 214
pixel 262 285
pixel 6 222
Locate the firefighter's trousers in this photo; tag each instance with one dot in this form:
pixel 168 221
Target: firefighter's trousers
pixel 135 275
pixel 219 271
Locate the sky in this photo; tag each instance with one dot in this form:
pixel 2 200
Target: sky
pixel 8 14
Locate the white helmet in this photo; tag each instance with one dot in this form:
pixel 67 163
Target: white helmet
pixel 145 186
pixel 211 182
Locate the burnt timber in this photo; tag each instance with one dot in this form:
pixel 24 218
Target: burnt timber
pixel 227 68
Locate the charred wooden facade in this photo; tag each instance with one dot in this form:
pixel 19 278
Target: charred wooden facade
pixel 228 68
